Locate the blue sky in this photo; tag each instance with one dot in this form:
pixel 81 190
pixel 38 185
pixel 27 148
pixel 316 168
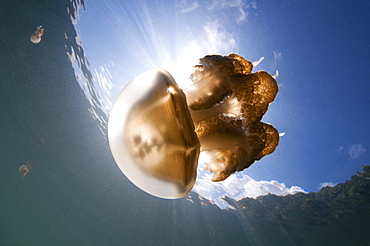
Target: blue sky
pixel 321 50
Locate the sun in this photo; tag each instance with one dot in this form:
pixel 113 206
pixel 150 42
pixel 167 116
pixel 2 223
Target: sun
pixel 182 66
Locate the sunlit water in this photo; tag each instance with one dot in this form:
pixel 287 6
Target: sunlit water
pixel 55 101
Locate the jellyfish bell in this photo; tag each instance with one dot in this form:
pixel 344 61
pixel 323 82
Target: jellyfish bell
pixel 152 136
pixel 35 38
pixel 23 170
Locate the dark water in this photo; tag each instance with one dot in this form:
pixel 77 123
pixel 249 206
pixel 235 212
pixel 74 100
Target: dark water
pixel 76 195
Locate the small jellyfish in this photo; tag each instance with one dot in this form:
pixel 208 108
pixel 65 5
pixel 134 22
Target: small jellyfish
pixel 23 170
pixel 36 36
pixel 38 138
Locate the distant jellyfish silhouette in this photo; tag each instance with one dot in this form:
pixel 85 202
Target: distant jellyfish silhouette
pixel 156 130
pixel 23 170
pixel 38 138
pixel 36 36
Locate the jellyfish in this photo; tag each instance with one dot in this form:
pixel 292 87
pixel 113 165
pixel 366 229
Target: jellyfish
pixel 36 36
pixel 23 170
pixel 38 138
pixel 156 130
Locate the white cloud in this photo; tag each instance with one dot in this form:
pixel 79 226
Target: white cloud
pixel 217 39
pixel 238 188
pixel 355 151
pixel 238 6
pixel 186 8
pixel 242 16
pixel 326 184
pixel 253 5
pixel 277 56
